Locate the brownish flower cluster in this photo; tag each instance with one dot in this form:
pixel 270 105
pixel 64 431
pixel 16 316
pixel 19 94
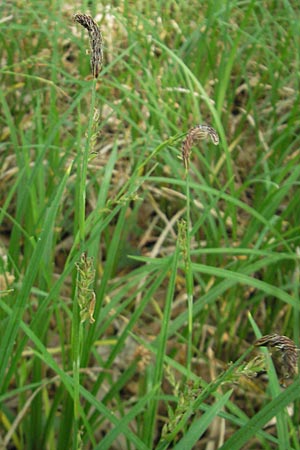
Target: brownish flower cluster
pixel 196 133
pixel 96 41
pixel 285 361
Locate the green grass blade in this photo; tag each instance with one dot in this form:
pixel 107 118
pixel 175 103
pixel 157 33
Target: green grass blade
pixel 257 422
pixel 11 330
pixel 150 415
pixel 111 437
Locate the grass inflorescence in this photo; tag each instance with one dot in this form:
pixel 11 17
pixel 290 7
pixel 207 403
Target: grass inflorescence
pixel 96 41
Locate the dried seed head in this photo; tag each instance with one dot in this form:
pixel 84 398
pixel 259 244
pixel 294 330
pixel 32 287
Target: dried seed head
pixel 286 364
pixel 143 356
pixel 96 41
pixel 196 133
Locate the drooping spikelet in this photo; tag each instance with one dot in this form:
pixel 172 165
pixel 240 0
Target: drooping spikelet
pixel 286 365
pixel 196 133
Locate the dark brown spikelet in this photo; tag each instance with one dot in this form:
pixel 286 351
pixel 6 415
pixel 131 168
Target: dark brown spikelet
pixel 196 133
pixel 286 365
pixel 96 41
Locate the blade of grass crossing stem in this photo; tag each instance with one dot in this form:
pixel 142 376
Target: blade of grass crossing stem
pixel 213 294
pixel 150 414
pixel 72 258
pixel 68 382
pixel 230 199
pixel 111 261
pixel 248 280
pixel 257 422
pixel 239 418
pixel 199 426
pixel 10 332
pixel 106 443
pixel 149 292
pixel 135 180
pixel 208 390
pixel 23 192
pixel 281 416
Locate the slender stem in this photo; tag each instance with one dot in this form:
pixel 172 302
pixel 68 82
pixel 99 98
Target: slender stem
pixel 76 366
pixel 189 274
pixel 84 166
pixel 77 328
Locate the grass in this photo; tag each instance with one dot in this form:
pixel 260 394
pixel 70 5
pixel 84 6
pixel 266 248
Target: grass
pixel 187 267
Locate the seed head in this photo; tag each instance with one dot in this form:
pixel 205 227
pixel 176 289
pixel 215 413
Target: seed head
pixel 196 133
pixel 285 360
pixel 96 41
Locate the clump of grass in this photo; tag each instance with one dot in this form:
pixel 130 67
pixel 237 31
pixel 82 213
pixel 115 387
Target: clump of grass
pixel 237 242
